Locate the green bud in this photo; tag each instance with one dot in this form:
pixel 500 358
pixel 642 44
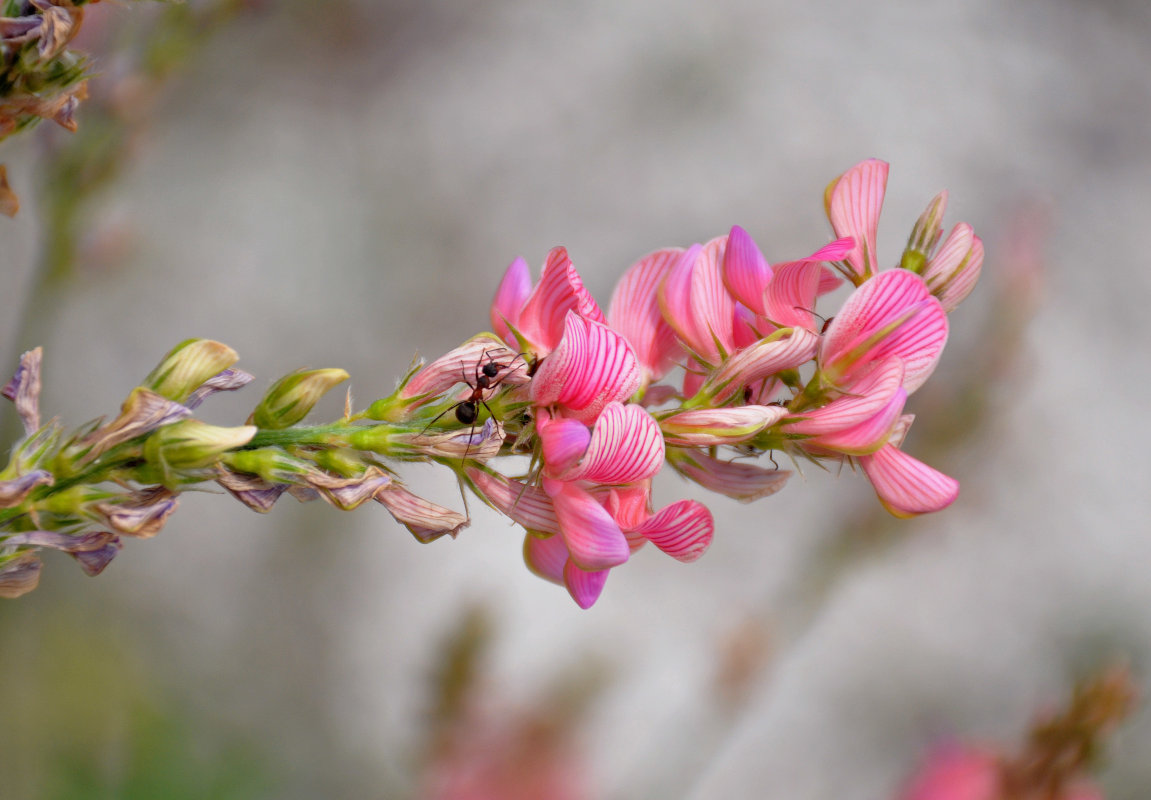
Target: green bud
pixel 292 397
pixel 270 463
pixel 925 235
pixel 192 444
pixel 341 461
pixel 188 365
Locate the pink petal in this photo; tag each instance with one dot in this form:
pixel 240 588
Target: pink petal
pixel 739 480
pixel 748 329
pixel 564 442
pixel 459 366
pixel 957 773
pixel 546 556
pixel 906 486
pixel 785 349
pixel 634 312
pixel 526 505
pixel 592 536
pixel 683 530
pixel 510 297
pixel 560 290
pixel 630 505
pixel 745 271
pixel 704 427
pixel 871 394
pixel 675 296
pixel 853 204
pixel 592 366
pixel 866 437
pixel 626 446
pixel 833 251
pixel 790 297
pixel 584 586
pixel 828 281
pixel 892 314
pixel 953 271
pixel 696 304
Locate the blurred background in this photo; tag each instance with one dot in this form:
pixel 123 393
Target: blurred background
pixel 343 183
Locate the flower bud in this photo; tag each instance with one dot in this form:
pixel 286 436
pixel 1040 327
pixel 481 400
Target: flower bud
pixel 714 426
pixel 270 463
pixel 292 397
pixel 925 235
pixel 143 412
pixel 188 365
pixel 192 444
pixel 19 574
pixel 24 390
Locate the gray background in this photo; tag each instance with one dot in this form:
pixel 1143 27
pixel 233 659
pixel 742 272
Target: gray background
pixel 342 184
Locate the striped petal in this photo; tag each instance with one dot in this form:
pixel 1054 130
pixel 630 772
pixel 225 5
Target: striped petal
pixel 952 273
pixel 626 446
pixel 872 393
pixel 828 281
pixel 546 556
pixel 738 480
pixel 525 504
pixel 593 538
pixel 790 297
pixel 785 349
pixel 696 303
pixel 592 366
pixel 704 427
pixel 560 290
pixel 634 312
pixel 906 486
pixel 745 271
pixel 893 314
pixel 866 437
pixel 853 202
pixel 630 506
pixel 584 586
pixel 683 530
pixel 511 295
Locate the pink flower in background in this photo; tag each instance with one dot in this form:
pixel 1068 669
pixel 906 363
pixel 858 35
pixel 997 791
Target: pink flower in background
pixel 956 773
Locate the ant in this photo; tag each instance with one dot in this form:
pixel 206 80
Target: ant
pixel 487 377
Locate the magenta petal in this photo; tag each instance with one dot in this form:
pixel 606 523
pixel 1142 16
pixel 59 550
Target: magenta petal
pixel 745 271
pixel 853 206
pixel 593 538
pixel 585 586
pixel 907 486
pixel 893 314
pixel 564 441
pixel 560 290
pixel 546 556
pixel 525 504
pixel 634 311
pixel 790 297
pixel 626 446
pixel 833 251
pixel 510 297
pixel 828 282
pixel 592 366
pixel 683 530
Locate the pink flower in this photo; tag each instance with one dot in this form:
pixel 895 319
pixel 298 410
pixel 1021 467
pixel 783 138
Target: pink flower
pixel 952 270
pixel 592 365
pixel 634 312
pixel 537 316
pixel 956 773
pixel 853 202
pixel 695 302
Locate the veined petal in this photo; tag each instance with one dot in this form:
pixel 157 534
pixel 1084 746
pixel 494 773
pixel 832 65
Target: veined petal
pixel 745 271
pixel 952 273
pixel 872 392
pixel 739 480
pixel 853 203
pixel 634 312
pixel 716 426
pixel 585 586
pixel 833 251
pixel 907 486
pixel 559 291
pixel 893 314
pixel 525 504
pixel 546 556
pixel 713 305
pixel 626 446
pixel 785 349
pixel 790 297
pixel 460 366
pixel 828 281
pixel 511 295
pixel 866 437
pixel 675 296
pixel 592 366
pixel 593 538
pixel 630 506
pixel 683 530
pixel 564 442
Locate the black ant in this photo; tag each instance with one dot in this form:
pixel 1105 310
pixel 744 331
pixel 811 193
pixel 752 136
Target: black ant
pixel 487 377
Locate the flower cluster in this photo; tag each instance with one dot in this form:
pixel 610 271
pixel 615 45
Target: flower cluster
pixel 706 358
pixel 747 367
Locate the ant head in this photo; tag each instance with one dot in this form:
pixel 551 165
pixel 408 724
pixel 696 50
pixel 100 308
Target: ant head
pixel 491 369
